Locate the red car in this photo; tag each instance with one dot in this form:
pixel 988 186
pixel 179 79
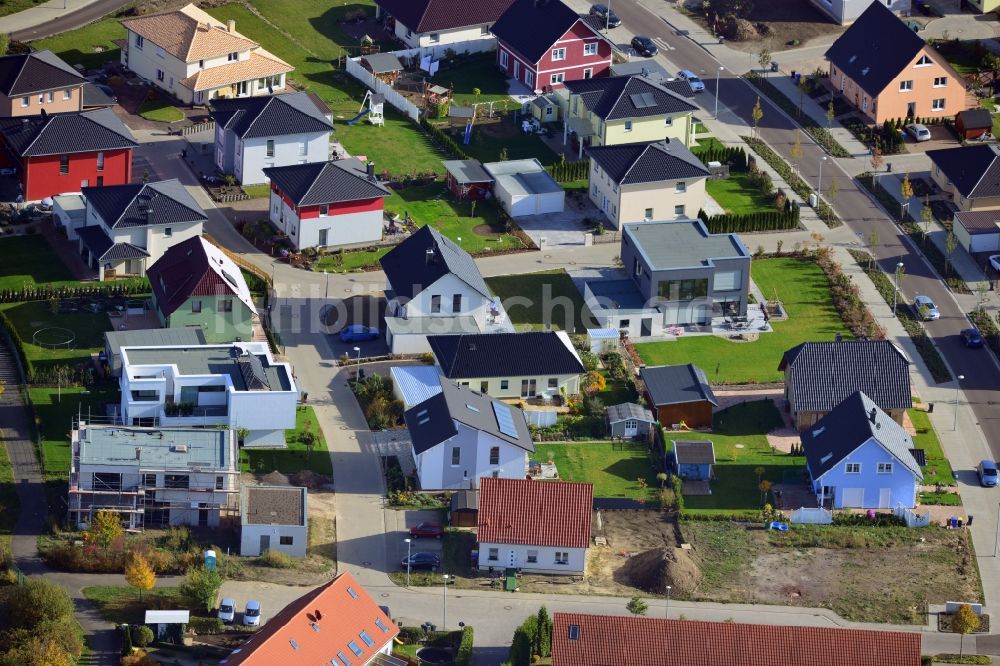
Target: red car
pixel 426 529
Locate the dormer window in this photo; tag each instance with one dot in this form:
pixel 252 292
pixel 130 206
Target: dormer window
pixel 924 61
pixel 232 57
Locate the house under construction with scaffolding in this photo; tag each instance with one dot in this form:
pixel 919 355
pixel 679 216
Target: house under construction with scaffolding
pixel 153 477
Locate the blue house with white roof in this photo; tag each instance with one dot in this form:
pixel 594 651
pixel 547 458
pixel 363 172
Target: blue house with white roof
pixel 859 458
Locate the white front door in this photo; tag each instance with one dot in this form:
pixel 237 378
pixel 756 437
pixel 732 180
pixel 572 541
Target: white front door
pixel 885 498
pixel 852 498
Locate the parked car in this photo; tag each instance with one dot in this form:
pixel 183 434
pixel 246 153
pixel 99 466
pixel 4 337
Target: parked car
pixel 227 610
pixel 251 616
pixel 918 131
pixel 358 333
pixel 608 18
pixel 422 561
pixel 925 308
pixel 644 46
pixel 995 262
pixel 427 529
pixel 987 471
pixel 697 85
pixel 972 338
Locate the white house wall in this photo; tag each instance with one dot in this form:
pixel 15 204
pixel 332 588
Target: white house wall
pixel 569 384
pixel 474 304
pixel 146 61
pixel 250 539
pixel 463 40
pixel 436 472
pixel 342 229
pixel 546 558
pixel 252 156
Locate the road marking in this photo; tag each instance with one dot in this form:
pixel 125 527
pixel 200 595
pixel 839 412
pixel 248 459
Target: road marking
pixel 663 44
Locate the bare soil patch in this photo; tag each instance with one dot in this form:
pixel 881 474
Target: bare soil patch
pixel 786 21
pixel 484 230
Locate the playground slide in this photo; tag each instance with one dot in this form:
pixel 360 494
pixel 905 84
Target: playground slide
pixel 358 117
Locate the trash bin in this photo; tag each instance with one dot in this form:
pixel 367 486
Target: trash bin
pixel 774 67
pixel 812 200
pixel 930 407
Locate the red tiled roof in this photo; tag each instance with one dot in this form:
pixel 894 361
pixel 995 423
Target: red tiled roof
pixel 643 641
pixel 430 15
pixel 535 513
pixel 315 627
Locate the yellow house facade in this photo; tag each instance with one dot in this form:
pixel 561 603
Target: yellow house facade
pixel 969 176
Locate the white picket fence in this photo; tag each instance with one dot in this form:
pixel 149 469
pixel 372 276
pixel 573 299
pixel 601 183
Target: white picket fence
pixel 807 516
pixel 540 419
pixel 355 69
pixel 912 518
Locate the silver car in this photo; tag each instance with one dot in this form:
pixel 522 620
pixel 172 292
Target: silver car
pixel 925 308
pixel 918 131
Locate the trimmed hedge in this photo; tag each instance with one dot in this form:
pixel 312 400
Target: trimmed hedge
pixel 45 292
pixel 9 331
pixel 464 653
pixel 564 172
pixel 445 142
pixel 734 156
pixel 772 220
pixel 820 135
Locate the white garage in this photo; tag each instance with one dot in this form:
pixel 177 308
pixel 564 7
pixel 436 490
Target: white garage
pixel 978 231
pixel 524 187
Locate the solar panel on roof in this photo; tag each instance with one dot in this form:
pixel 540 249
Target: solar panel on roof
pixel 253 373
pixel 505 419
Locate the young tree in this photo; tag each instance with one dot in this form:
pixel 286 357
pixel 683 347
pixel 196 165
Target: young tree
pixel 139 574
pixel 795 152
pixel 832 191
pixel 104 530
pixel 662 478
pixel 803 87
pixel 900 272
pixel 765 488
pixel 877 161
pixel 201 586
pixel 755 115
pixel 963 622
pixel 594 382
pixel 36 602
pixel 905 191
pixel 830 115
pixel 982 289
pixel 950 244
pixel 520 648
pixel 764 59
pixel 926 217
pixel 873 241
pixel 637 606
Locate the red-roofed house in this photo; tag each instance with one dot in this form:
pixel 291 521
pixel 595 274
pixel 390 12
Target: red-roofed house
pixel 437 23
pixel 337 624
pixel 631 640
pixel 539 526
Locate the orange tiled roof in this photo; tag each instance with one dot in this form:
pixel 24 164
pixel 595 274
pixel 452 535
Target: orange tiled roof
pixel 189 34
pixel 313 629
pixel 260 64
pixel 535 513
pixel 645 641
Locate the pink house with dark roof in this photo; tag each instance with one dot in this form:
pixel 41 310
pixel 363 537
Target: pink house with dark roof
pixel 458 24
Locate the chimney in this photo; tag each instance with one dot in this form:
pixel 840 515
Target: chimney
pixel 231 25
pixel 871 415
pixel 429 256
pixel 149 215
pixel 319 614
pixel 44 114
pixel 371 171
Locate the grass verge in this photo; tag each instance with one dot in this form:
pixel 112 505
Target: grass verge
pixel 121 604
pixel 296 457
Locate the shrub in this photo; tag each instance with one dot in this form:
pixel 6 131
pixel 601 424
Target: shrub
pixel 201 587
pixel 564 172
pixel 464 653
pixel 142 635
pixel 411 635
pixel 275 559
pixel 206 626
pixel 139 658
pixel 38 600
pixel 861 520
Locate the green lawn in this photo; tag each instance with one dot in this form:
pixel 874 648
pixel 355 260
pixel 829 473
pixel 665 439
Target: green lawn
pixel 55 415
pixel 120 604
pixel 535 300
pixel 708 143
pixel 315 25
pixel 161 111
pixel 31 316
pixel 27 261
pixel 960 55
pixel 615 471
pixel 805 292
pixel 938 469
pixel 260 191
pixel 485 146
pixel 89 46
pixel 737 195
pixel 990 105
pixel 474 71
pixel 615 391
pixel 296 457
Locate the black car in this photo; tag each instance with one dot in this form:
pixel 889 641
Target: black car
pixel 422 561
pixel 972 338
pixel 608 18
pixel 644 46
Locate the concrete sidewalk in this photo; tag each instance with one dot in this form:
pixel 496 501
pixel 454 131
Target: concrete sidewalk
pixel 42 14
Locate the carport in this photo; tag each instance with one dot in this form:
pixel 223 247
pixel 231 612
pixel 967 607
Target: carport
pixel 524 187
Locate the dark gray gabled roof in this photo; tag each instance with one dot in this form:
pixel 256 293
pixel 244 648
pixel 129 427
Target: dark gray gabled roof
pixel 271 115
pixel 26 73
pixel 975 119
pixel 62 133
pixel 326 182
pixel 144 204
pixel 875 49
pixel 820 375
pixel 381 63
pixel 629 411
pixel 635 163
pixel 431 15
pixel 979 221
pixel 465 500
pixel 676 384
pixel 432 421
pixel 527 354
pixel 95 98
pixel 424 258
pixel 849 425
pixel 974 170
pixel 621 97
pixel 694 452
pixel 532 27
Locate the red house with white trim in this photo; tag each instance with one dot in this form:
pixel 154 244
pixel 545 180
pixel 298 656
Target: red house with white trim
pixel 327 204
pixel 66 152
pixel 544 43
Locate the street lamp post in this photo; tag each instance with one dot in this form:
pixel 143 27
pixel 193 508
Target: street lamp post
pixel 717 72
pixel 819 183
pixel 668 601
pixel 409 553
pixel 444 618
pixel 607 19
pixel 958 387
pixel 357 374
pixel 895 293
pixel 326 295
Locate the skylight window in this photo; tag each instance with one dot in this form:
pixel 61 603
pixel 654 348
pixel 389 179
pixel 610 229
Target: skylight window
pixel 366 638
pixel 350 591
pixel 293 643
pixel 355 648
pixel 472 408
pixel 574 632
pixel 381 625
pixel 343 658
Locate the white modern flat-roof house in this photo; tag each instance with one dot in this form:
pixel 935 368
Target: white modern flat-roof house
pixel 153 477
pixel 237 386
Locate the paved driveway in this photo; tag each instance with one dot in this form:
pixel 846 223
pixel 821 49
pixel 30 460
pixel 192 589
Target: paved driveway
pixel 941 138
pixel 565 228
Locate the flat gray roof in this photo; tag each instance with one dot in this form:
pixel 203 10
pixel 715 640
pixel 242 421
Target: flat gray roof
pixel 513 166
pixel 207 361
pixel 153 337
pixel 619 295
pixel 274 505
pixel 534 182
pixel 682 244
pixel 163 448
pixel 432 325
pixel 467 171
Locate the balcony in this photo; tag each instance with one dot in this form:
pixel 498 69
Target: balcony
pixel 181 414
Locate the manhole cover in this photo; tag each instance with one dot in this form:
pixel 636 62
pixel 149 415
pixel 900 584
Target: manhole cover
pixel 384 595
pixel 366 564
pixel 508 607
pixel 548 256
pixel 572 263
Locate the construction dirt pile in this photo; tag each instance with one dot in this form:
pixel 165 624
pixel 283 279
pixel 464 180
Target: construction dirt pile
pixel 653 570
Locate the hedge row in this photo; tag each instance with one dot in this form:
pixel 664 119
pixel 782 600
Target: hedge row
pixel 464 654
pixel 14 338
pixel 771 220
pixel 565 172
pixel 918 334
pixel 105 290
pixel 819 134
pixel 445 142
pixel 798 185
pixel 734 156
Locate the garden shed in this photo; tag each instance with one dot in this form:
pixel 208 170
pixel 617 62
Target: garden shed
pixel 464 508
pixel 385 66
pixel 161 621
pixel 694 459
pixel 545 108
pixel 524 187
pixel 467 179
pixel 973 123
pixel 630 421
pixel 603 339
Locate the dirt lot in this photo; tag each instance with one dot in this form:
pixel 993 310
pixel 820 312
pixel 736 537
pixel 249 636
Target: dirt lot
pixel 788 20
